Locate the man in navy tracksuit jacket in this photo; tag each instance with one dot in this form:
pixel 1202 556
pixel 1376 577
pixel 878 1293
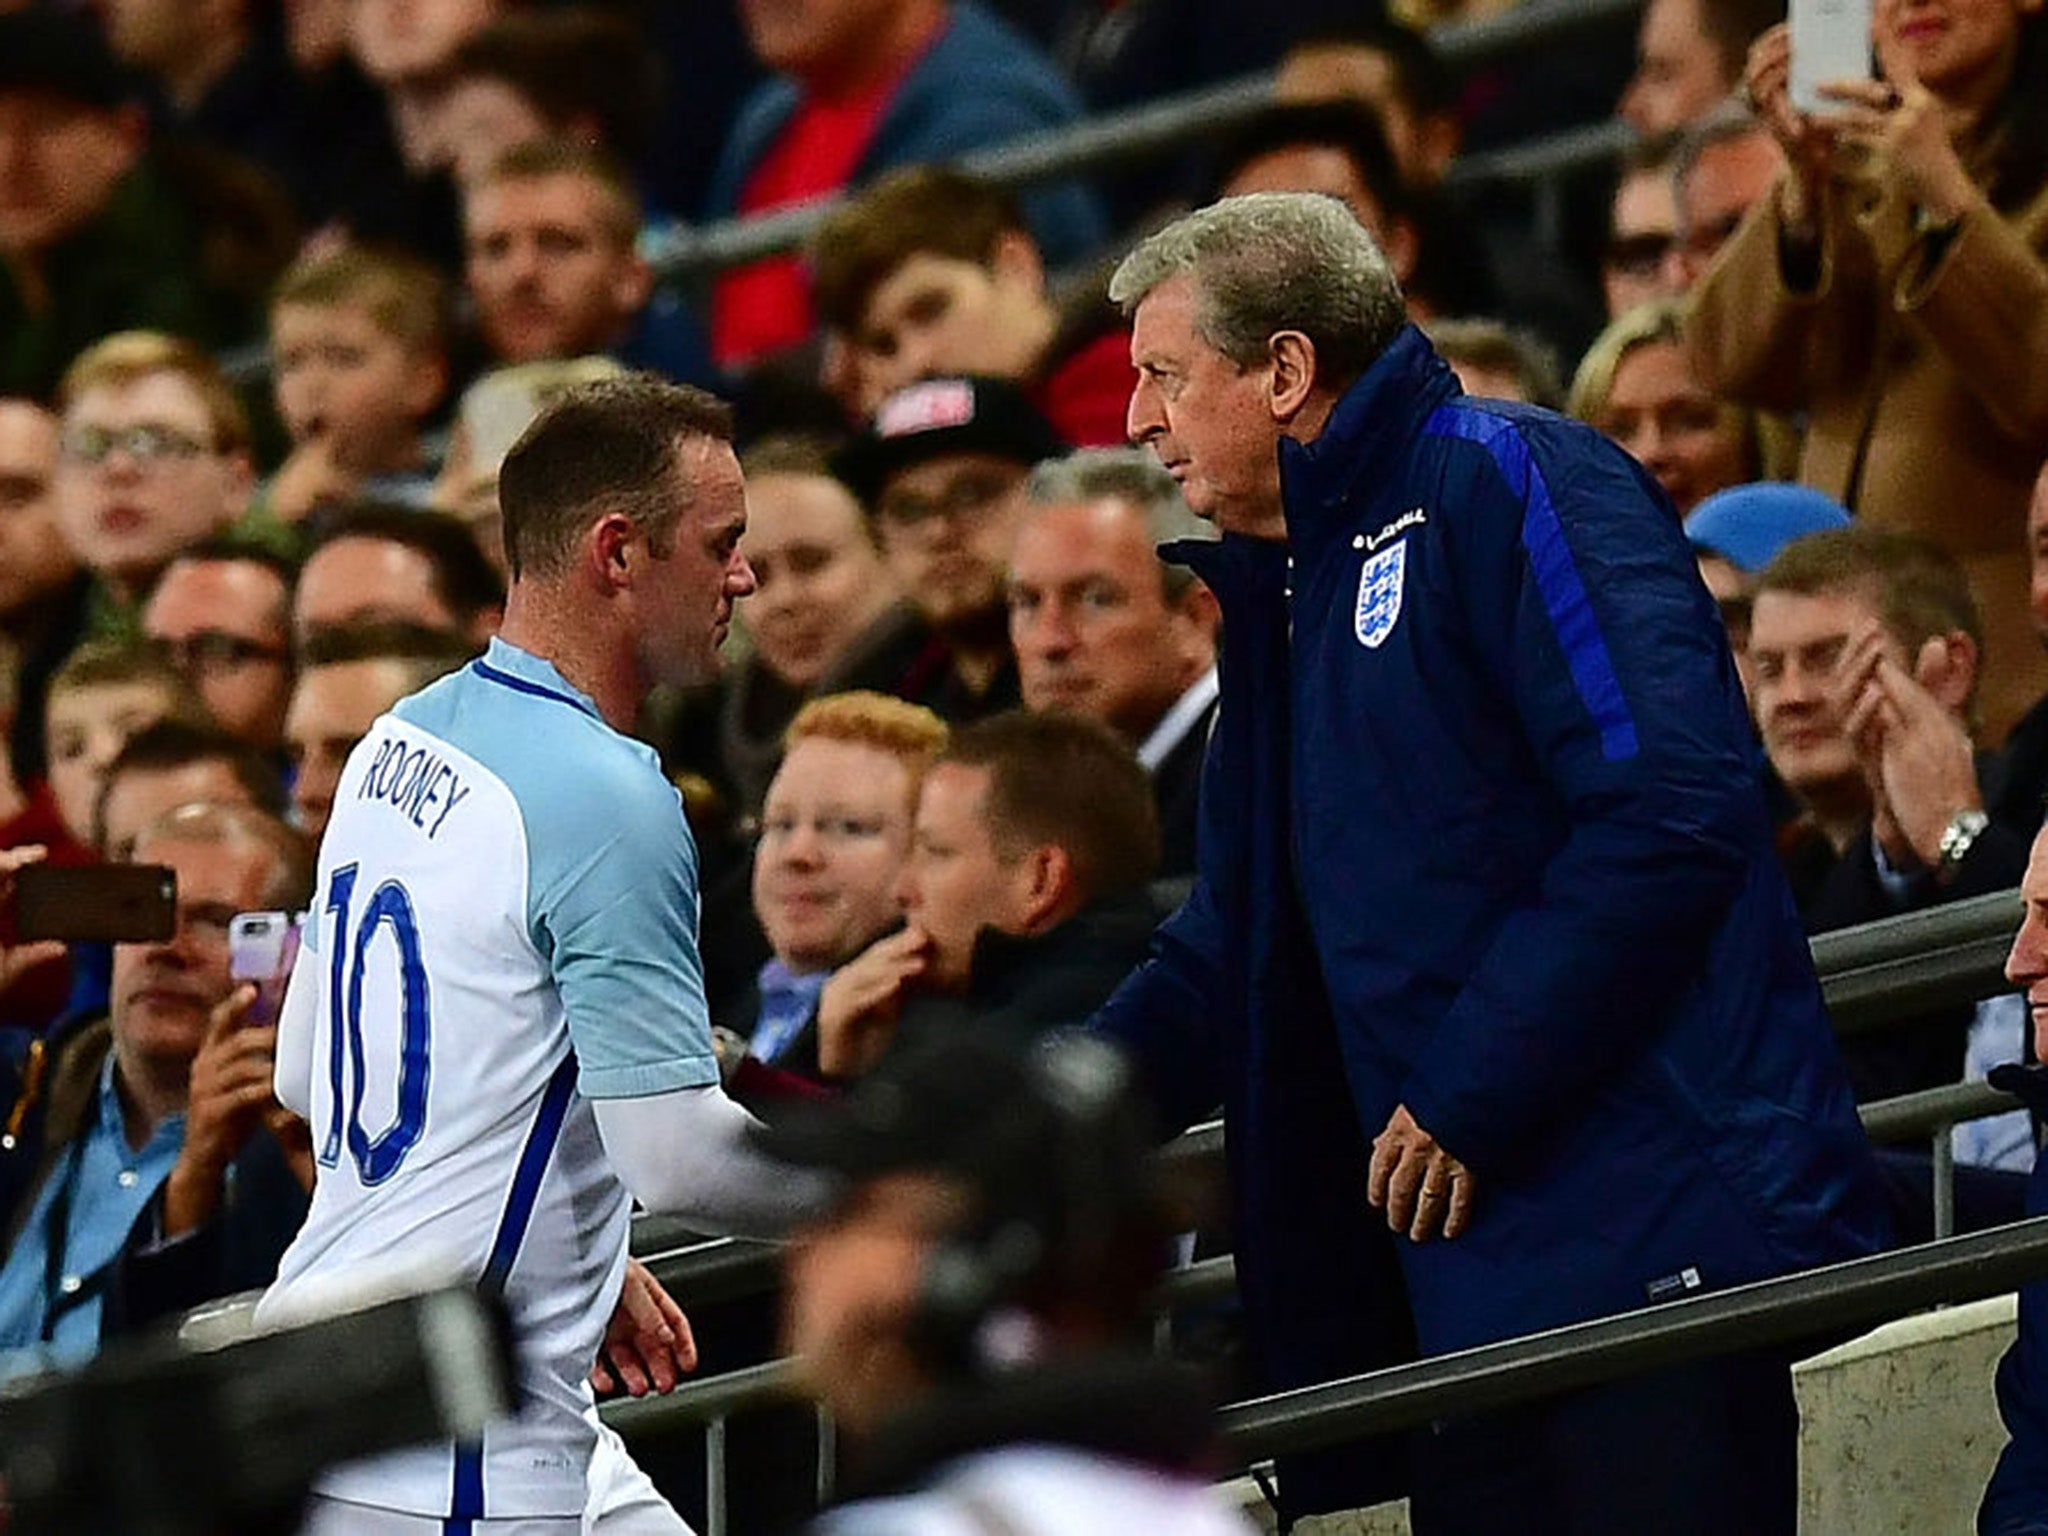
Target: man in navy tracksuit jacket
pixel 1488 932
pixel 2016 1502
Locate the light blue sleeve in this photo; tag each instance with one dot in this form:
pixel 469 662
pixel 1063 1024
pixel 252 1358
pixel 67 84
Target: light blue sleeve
pixel 612 904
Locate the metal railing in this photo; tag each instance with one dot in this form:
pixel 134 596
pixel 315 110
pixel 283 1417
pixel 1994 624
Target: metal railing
pixel 1116 140
pixel 685 254
pixel 1806 1306
pixel 1899 966
pixel 1870 976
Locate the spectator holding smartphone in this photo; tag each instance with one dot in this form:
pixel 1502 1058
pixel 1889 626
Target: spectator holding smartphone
pixel 1894 289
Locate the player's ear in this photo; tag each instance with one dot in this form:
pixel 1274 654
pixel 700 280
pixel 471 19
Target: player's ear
pixel 608 547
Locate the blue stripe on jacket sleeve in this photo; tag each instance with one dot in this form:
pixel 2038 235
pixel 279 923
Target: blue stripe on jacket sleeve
pixel 1557 574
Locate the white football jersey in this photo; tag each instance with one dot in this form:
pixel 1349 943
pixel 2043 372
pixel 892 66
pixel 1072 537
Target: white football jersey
pixel 504 928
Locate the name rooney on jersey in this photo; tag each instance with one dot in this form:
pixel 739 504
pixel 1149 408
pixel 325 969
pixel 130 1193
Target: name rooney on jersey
pixel 413 781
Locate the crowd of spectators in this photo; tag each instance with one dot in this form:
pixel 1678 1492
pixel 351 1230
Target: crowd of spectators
pixel 950 772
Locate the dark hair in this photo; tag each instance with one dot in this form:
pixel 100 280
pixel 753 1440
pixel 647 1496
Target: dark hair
pixel 1060 778
pixel 2019 127
pixel 578 61
pixel 1922 590
pixel 1420 77
pixel 559 157
pixel 1732 25
pixel 238 549
pixel 602 447
pixel 385 639
pixel 171 744
pixel 1350 127
pixel 464 578
pixel 920 210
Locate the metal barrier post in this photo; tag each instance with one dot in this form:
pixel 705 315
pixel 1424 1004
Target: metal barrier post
pixel 828 1455
pixel 714 1477
pixel 1944 1179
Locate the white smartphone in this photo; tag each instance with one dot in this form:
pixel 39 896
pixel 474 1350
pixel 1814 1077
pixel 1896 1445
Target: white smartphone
pixel 261 948
pixel 1831 40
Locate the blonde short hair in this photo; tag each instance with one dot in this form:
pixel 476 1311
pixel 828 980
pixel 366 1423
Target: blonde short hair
pixel 404 296
pixel 1769 444
pixel 128 357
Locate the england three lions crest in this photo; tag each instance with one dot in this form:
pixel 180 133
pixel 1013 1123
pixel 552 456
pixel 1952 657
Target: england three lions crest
pixel 1380 586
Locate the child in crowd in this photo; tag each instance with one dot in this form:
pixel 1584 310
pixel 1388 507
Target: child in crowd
pixel 99 698
pixel 358 342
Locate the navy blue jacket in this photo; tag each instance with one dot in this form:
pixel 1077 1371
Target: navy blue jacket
pixel 2016 1502
pixel 1482 835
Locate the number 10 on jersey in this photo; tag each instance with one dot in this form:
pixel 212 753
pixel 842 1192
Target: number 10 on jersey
pixel 376 1156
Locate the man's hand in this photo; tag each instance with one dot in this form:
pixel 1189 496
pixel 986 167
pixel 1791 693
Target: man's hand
pixel 18 959
pixel 857 1008
pixel 648 1346
pixel 1916 754
pixel 229 1096
pixel 1424 1190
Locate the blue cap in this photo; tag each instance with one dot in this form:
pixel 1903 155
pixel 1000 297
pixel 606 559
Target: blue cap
pixel 1747 525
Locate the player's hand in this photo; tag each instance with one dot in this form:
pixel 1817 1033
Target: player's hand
pixel 1423 1189
pixel 648 1346
pixel 231 1090
pixel 858 1007
pixel 18 959
pixel 294 1138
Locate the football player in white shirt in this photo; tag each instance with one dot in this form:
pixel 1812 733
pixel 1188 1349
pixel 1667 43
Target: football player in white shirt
pixel 498 1014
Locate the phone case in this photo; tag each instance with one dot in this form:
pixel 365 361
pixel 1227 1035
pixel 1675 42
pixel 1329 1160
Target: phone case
pixel 98 903
pixel 258 943
pixel 1830 41
pixel 261 948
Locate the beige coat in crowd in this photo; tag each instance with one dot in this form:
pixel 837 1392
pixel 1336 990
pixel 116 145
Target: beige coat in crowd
pixel 1924 387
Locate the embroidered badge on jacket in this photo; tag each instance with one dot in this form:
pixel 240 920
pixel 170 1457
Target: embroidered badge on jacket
pixel 1379 595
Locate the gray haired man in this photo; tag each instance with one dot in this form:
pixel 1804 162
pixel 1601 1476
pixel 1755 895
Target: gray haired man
pixel 1487 931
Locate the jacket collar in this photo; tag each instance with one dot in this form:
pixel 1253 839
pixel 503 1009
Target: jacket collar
pixel 1371 426
pixel 1007 962
pixel 1236 568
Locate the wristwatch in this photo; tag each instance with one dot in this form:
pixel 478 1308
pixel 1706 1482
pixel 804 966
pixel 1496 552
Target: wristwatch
pixel 1957 838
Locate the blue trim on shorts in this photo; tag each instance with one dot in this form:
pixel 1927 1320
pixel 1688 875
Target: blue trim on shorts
pixel 466 1505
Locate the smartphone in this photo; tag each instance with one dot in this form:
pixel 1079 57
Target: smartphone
pixel 1831 40
pixel 103 903
pixel 261 948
